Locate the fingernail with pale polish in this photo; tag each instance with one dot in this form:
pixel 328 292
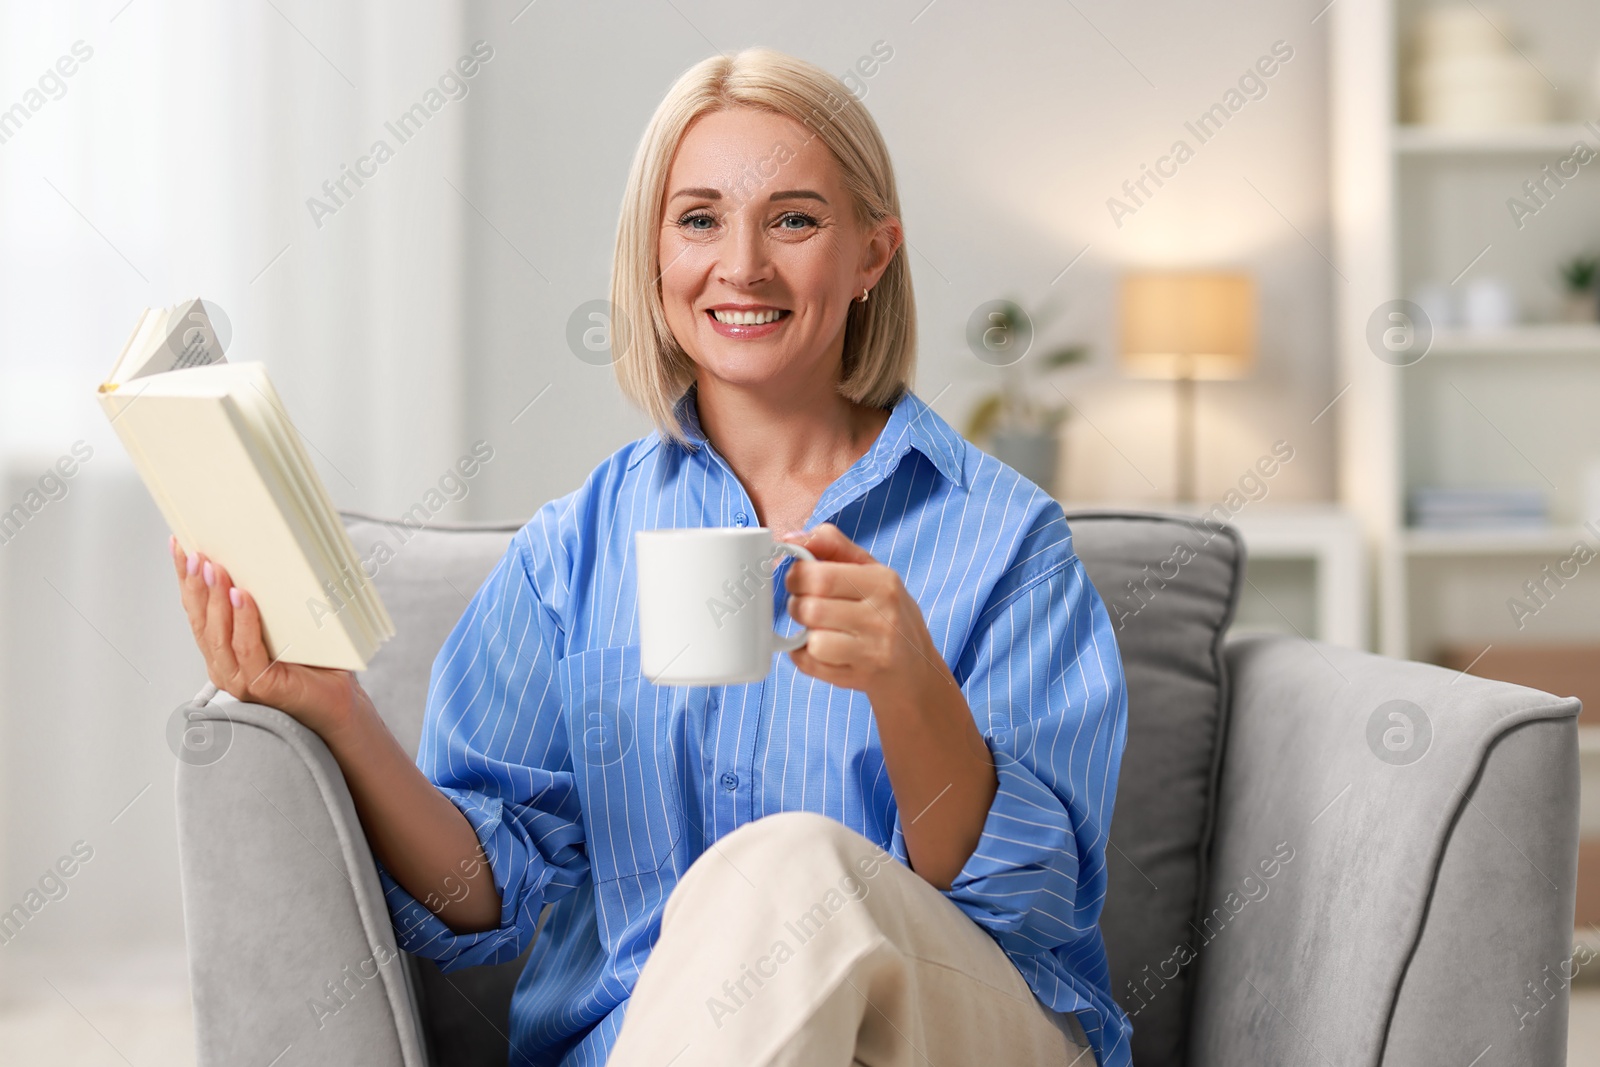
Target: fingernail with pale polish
pixel 194 564
pixel 211 574
pixel 234 598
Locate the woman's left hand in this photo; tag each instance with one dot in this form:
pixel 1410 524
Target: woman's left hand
pixel 867 632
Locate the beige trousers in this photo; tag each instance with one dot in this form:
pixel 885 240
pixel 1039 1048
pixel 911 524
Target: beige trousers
pixel 797 941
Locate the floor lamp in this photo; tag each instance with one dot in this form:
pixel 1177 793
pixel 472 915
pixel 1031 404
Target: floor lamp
pixel 1185 326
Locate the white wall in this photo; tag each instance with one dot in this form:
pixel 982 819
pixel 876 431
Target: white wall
pixel 1010 127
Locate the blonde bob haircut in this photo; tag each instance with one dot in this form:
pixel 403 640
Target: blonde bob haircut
pixel 880 336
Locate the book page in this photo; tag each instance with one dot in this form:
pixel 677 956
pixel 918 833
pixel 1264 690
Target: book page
pixel 135 343
pixel 173 339
pixel 321 510
pixel 298 482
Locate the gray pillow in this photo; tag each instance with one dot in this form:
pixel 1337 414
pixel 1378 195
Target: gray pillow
pixel 425 576
pixel 1170 586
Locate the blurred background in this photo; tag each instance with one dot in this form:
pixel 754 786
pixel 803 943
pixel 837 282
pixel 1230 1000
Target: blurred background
pixel 1391 211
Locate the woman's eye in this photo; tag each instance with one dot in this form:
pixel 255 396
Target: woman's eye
pixel 704 222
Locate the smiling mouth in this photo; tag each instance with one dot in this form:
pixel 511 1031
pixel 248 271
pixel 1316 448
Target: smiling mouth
pixel 747 318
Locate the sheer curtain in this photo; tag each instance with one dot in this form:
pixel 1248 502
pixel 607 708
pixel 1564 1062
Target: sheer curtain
pixel 152 151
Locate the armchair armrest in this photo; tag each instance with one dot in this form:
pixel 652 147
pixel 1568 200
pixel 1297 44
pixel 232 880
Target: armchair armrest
pixel 291 948
pixel 1393 866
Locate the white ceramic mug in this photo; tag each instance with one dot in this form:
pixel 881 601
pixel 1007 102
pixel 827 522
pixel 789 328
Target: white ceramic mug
pixel 705 604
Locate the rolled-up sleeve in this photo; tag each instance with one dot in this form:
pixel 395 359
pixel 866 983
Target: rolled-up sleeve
pixel 494 741
pixel 1045 684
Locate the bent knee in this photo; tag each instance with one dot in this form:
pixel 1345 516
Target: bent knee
pixel 803 844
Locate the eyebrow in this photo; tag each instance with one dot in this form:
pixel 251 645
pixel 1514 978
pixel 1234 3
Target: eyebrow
pixel 705 193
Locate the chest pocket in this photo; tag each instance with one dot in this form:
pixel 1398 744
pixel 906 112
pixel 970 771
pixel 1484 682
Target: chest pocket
pixel 620 730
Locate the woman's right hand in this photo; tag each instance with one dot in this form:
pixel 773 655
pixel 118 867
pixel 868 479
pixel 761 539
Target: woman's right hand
pixel 227 627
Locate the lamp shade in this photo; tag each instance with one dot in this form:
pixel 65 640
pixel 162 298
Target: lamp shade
pixel 1192 324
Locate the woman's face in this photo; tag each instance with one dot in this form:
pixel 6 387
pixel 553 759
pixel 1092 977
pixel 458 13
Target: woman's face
pixel 760 250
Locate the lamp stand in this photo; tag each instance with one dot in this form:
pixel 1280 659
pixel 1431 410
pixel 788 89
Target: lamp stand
pixel 1185 436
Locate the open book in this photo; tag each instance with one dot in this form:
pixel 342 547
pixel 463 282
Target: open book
pixel 226 467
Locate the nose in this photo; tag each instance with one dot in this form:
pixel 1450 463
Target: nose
pixel 745 261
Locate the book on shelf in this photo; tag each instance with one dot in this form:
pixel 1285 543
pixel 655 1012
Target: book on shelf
pixel 1442 508
pixel 222 460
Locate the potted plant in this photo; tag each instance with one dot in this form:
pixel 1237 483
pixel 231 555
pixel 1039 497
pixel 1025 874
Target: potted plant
pixel 1581 303
pixel 1013 423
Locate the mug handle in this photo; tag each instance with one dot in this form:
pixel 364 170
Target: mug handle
pixel 779 642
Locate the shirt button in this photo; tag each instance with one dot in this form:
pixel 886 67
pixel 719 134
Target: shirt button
pixel 741 519
pixel 730 781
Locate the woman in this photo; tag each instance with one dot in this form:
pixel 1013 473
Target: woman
pixel 891 850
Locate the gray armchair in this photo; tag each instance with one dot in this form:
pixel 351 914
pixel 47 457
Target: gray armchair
pixel 1317 855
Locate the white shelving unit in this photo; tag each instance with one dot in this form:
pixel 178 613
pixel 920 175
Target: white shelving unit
pixel 1315 547
pixel 1516 407
pixel 1548 339
pixel 1556 137
pixel 1467 544
pixel 1305 568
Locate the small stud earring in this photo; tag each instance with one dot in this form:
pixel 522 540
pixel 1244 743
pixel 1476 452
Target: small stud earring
pixel 863 299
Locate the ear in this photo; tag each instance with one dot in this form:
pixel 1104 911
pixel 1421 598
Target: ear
pixel 882 242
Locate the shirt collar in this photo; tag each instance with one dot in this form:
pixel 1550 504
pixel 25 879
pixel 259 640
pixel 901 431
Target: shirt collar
pixel 912 424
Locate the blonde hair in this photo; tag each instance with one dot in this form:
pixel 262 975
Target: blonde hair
pixel 880 336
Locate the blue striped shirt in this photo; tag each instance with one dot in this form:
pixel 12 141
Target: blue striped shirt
pixel 595 790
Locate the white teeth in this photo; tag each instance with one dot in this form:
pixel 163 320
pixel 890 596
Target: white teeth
pixel 746 318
